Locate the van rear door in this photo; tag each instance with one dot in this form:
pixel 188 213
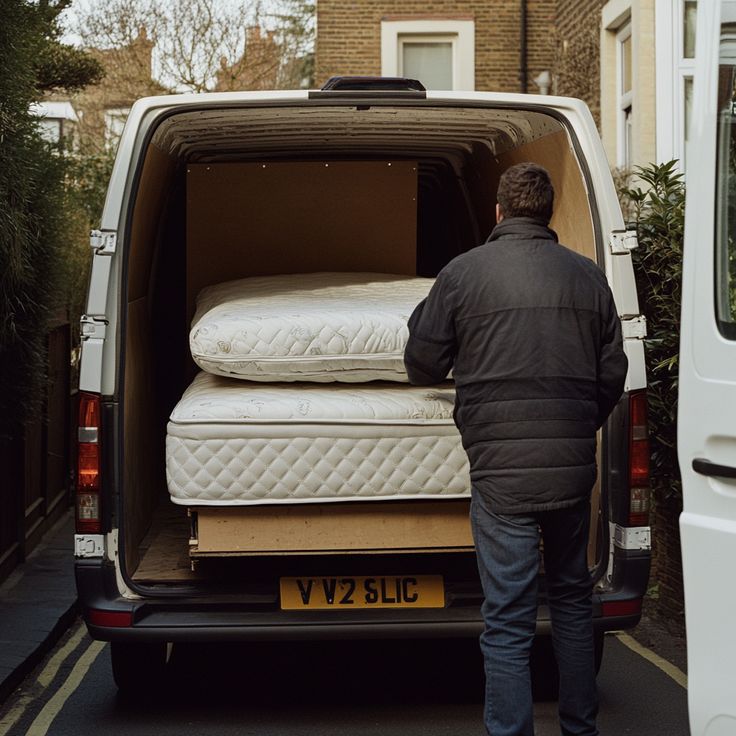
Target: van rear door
pixel 707 414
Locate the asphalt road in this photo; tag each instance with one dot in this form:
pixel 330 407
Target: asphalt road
pixel 397 688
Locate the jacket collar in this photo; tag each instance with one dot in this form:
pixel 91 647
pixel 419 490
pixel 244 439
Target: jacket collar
pixel 522 228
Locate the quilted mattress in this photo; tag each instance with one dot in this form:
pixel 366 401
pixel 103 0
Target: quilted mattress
pixel 230 443
pixel 323 327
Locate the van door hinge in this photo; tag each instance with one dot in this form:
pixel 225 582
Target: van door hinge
pixel 634 329
pixel 103 242
pixel 92 327
pixel 93 330
pixel 623 241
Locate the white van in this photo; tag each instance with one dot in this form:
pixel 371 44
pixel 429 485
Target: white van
pixel 368 176
pixel 706 442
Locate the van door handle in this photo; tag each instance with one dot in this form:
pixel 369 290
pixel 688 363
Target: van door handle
pixel 706 467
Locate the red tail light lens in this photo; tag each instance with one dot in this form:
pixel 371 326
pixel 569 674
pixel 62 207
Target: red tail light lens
pixel 88 465
pixel 89 410
pixel 621 608
pixel 114 619
pixel 640 497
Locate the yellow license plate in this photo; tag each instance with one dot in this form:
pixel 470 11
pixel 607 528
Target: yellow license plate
pixel 380 591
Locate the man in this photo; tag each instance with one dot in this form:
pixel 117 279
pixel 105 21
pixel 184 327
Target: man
pixel 531 332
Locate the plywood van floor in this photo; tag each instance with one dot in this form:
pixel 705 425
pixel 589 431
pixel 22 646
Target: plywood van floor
pixel 165 549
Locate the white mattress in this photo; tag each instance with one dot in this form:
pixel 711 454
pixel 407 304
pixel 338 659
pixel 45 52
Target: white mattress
pixel 230 443
pixel 323 327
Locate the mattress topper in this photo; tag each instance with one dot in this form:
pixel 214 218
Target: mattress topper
pixel 322 327
pixel 213 399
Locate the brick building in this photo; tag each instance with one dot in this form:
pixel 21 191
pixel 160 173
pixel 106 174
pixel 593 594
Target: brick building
pixel 647 65
pixel 456 44
pixel 128 76
pixel 95 116
pixel 632 61
pixel 257 68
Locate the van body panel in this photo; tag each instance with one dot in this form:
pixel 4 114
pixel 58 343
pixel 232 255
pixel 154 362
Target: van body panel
pixel 706 442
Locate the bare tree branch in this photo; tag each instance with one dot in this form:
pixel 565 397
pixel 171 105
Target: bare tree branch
pixel 202 45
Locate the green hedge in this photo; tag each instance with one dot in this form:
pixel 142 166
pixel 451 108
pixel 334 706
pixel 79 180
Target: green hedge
pixel 34 204
pixel 657 208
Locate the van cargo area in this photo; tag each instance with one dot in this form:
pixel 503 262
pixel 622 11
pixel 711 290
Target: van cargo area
pixel 227 192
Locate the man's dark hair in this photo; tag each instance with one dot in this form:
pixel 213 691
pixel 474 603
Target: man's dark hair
pixel 526 190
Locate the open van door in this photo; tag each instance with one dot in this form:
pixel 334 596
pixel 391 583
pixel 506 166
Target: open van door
pixel 707 415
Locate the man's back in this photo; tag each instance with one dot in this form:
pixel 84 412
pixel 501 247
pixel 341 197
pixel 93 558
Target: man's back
pixel 527 308
pixel 533 323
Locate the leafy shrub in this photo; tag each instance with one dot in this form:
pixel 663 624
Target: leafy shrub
pixel 34 225
pixel 658 210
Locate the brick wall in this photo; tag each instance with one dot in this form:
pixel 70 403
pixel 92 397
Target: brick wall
pixel 665 579
pixel 349 36
pixel 577 51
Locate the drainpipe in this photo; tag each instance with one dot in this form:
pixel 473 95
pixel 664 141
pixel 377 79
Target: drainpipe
pixel 522 48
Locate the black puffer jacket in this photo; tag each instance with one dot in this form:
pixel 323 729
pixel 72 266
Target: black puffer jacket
pixel 531 332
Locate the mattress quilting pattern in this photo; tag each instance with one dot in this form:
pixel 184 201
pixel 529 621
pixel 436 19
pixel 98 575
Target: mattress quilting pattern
pixel 321 327
pixel 233 444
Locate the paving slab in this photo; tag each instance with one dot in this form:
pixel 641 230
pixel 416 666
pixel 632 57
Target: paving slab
pixel 38 602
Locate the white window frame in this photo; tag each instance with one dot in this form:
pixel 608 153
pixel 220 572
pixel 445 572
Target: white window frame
pixel 624 100
pixel 672 71
pixel 461 33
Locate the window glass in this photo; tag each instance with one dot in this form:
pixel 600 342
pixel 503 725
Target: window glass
pixel 690 10
pixel 625 97
pixel 626 64
pixel 50 129
pixel 628 138
pixel 725 262
pixel 428 61
pixel 688 100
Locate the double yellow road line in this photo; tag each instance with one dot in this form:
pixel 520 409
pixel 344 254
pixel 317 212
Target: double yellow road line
pixel 52 708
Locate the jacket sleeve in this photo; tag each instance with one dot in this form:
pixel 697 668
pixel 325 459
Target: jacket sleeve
pixel 430 350
pixel 612 363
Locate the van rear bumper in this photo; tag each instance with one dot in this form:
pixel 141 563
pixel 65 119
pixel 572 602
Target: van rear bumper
pixel 179 617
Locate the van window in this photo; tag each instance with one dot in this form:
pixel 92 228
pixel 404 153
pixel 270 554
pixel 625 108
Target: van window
pixel 725 241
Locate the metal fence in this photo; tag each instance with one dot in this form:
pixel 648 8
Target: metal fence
pixel 35 487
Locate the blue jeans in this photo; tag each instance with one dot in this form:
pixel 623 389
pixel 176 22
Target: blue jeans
pixel 507 547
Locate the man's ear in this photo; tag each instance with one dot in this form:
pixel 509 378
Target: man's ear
pixel 499 214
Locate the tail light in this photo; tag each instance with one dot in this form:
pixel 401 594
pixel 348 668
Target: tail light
pixel 639 490
pixel 89 519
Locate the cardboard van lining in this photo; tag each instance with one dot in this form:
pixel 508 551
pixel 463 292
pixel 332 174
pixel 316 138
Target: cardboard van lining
pixel 238 218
